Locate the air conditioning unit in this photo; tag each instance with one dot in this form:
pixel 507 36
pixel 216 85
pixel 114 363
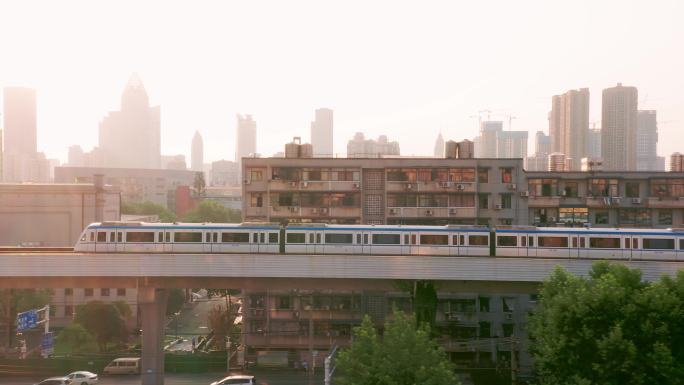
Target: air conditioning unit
pixel 615 200
pixel 357 185
pixel 294 209
pixel 460 187
pixel 512 186
pixel 429 213
pixel 453 317
pixel 498 207
pixel 293 184
pixel 444 184
pixel 636 201
pixel 324 211
pixel 305 184
pixel 524 193
pixel 563 193
pixel 246 181
pixel 409 186
pixel 394 211
pixel 452 211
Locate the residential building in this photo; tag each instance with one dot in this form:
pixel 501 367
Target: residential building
pixel 512 144
pixel 173 162
pixel 1 156
pixel 322 134
pixel 76 157
pixel 224 173
pixel 136 184
pixel 439 147
pixel 384 190
pixel 619 128
pixel 540 160
pixel 606 199
pixel 570 118
pixel 594 143
pixel 20 134
pixel 360 147
pixel 677 162
pixel 557 162
pixel 494 142
pixel 197 153
pixel 228 196
pixel 130 137
pixel 647 158
pixel 245 143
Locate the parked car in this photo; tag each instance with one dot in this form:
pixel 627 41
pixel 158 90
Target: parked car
pixel 236 380
pixel 55 381
pixel 82 378
pixel 129 365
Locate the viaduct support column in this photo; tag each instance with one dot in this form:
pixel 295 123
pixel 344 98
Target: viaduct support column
pixel 152 304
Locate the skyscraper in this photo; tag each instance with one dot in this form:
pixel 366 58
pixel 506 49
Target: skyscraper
pixel 197 153
pixel 569 125
pixel 322 133
pixel 619 128
pixel 360 147
pixel 76 156
pixel 245 137
pixel 647 142
pixel 594 143
pixel 439 147
pixel 20 138
pixel 494 142
pixel 540 160
pixel 131 137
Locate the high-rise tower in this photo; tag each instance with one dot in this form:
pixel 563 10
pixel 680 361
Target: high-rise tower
pixel 439 147
pixel 197 153
pixel 322 133
pixel 20 137
pixel 569 125
pixel 245 141
pixel 619 128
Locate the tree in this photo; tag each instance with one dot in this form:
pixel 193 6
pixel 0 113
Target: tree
pixel 423 300
pixel 13 301
pixel 148 208
pixel 222 323
pixel 212 211
pixel 76 339
pixel 405 355
pixel 175 300
pixel 102 320
pixel 199 185
pixel 610 328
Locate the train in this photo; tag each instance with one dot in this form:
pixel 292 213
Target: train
pixel 448 240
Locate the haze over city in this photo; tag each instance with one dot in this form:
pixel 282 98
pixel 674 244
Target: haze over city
pixel 405 70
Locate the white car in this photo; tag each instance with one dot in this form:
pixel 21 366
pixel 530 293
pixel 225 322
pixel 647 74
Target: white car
pixel 55 381
pixel 236 380
pixel 82 378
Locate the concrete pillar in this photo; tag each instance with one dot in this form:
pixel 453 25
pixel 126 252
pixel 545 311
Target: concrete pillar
pixel 152 303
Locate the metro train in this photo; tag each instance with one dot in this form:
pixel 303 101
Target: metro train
pixel 450 240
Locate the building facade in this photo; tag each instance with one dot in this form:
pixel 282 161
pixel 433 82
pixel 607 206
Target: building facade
pixel 677 162
pixel 647 158
pixel 594 143
pixel 245 141
pixel 224 173
pixel 360 147
pixel 131 137
pixel 619 128
pixel 570 116
pixel 494 142
pixel 197 153
pixel 438 151
pixel 384 191
pixel 21 162
pixel 322 133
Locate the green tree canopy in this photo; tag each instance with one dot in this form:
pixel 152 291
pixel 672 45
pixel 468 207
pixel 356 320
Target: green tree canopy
pixel 611 328
pixel 102 320
pixel 212 211
pixel 148 208
pixel 405 355
pixel 175 300
pixel 76 339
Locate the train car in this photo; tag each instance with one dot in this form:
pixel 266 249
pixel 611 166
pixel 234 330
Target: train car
pixel 139 237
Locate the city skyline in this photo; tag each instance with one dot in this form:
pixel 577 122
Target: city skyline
pixel 379 96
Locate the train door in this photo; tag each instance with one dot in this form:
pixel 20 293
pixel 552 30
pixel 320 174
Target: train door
pixel 314 242
pixel 531 245
pixel 408 246
pixel 574 246
pixel 453 244
pixel 365 242
pixel 254 242
pixel 168 244
pixel 119 245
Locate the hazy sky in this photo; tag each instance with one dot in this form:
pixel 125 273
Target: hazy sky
pixel 405 69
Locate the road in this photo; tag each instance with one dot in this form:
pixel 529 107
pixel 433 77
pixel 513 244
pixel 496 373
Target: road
pixel 264 376
pixel 191 322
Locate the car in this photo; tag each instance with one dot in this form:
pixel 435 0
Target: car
pixel 128 365
pixel 55 381
pixel 236 380
pixel 82 378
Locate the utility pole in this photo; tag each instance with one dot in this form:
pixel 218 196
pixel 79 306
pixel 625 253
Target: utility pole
pixel 228 354
pixel 311 343
pixel 513 361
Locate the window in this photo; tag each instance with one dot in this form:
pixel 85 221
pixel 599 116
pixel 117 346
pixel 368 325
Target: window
pixel 483 201
pixel 92 236
pixel 485 329
pixel 639 217
pixel 112 237
pixel 68 310
pixel 256 200
pixel 658 244
pixel 140 237
pixel 601 217
pixel 530 240
pixel 632 190
pixel 506 201
pixel 507 240
pixel 68 291
pixel 604 187
pixel 604 243
pixel 88 292
pixel 570 189
pixel 339 238
pixel 272 237
pixel 478 240
pixel 255 175
pixel 572 216
pixel 101 236
pixel 235 237
pixel 283 302
pixel 454 240
pixel 664 217
pixel 508 329
pixel 430 239
pixel 462 175
pixel 121 292
pixel 542 187
pixel 104 292
pixel 296 238
pixel 553 241
pixel 506 175
pixel 386 239
pixel 483 175
pixel 186 237
pixel 484 304
pixel 667 188
pixel 681 244
pixel 119 236
pixel 401 175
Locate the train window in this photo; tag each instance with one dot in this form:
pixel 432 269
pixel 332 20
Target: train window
pixel 358 239
pixel 604 243
pixel 235 237
pixel 215 237
pixel 507 240
pixel 461 240
pixel 186 237
pixel 272 237
pixel 386 239
pixel 112 237
pixel 161 237
pixel 478 240
pixel 553 241
pixel 406 239
pixel 338 238
pixel 207 237
pixel 296 237
pixel 92 236
pixel 530 241
pixel 627 244
pixel 658 244
pixel 413 239
pixel 119 236
pixel 318 237
pixel 454 240
pixel 574 241
pixel 681 244
pixel 101 236
pixel 430 239
pixel 262 238
pixel 311 237
pixel 583 242
pixel 167 236
pixel 523 241
pixel 635 243
pixel 365 239
pixel 140 237
pixel 255 238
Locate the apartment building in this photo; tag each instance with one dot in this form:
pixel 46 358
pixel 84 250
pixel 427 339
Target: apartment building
pixel 384 191
pixel 606 199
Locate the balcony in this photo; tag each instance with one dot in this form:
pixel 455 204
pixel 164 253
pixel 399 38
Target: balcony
pixel 315 212
pixel 666 202
pixel 451 344
pixel 256 211
pixel 543 201
pixel 259 185
pixel 431 187
pixel 600 201
pixel 277 339
pixel 427 212
pixel 308 185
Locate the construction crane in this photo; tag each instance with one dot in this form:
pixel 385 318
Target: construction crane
pixel 479 117
pixel 510 121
